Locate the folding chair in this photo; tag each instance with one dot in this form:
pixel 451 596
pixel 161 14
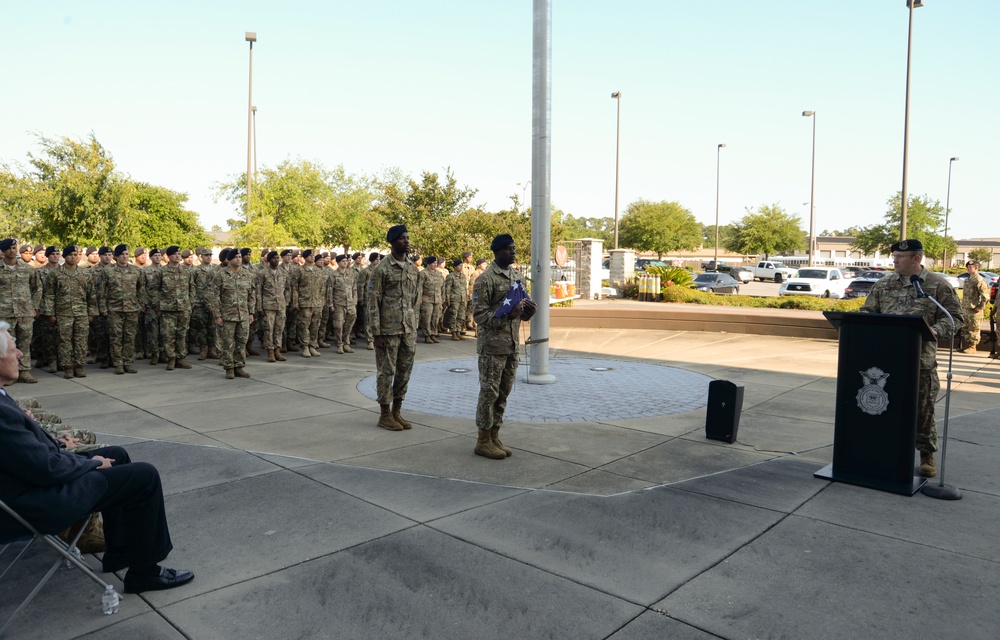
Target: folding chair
pixel 67 552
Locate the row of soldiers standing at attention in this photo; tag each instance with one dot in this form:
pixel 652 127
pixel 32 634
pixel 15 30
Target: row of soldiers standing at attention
pixel 113 305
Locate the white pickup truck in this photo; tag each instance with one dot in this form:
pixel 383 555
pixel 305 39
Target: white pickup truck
pixel 770 270
pixel 822 282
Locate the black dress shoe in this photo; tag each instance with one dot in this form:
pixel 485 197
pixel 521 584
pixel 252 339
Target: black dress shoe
pixel 168 579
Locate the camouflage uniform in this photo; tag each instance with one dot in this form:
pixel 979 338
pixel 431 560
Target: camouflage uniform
pixel 975 295
pixel 456 287
pixel 310 293
pixel 291 313
pixel 171 292
pixel 44 337
pixel 202 331
pixel 273 292
pixel 361 322
pixel 431 285
pixel 122 298
pixel 496 344
pixel 470 272
pixel 344 284
pixel 895 295
pixel 233 298
pixel 154 339
pixel 99 345
pixel 69 296
pixel 20 298
pixel 391 302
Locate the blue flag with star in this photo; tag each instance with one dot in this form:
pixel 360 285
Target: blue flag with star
pixel 516 293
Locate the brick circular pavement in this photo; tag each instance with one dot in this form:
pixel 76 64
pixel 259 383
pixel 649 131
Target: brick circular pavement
pixel 586 390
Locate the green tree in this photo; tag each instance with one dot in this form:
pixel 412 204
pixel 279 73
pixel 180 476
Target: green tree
pixel 576 228
pixel 766 231
pixel 982 254
pixel 157 217
pixel 708 235
pixel 923 217
pixel 350 219
pixel 661 227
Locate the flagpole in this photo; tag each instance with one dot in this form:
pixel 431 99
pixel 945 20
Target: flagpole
pixel 541 160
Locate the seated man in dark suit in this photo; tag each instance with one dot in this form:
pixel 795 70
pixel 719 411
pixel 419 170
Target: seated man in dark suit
pixel 52 489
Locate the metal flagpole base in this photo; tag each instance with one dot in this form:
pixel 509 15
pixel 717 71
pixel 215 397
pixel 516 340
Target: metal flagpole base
pixel 541 378
pixel 941 491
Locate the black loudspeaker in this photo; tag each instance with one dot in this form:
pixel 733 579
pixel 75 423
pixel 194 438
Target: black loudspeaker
pixel 725 402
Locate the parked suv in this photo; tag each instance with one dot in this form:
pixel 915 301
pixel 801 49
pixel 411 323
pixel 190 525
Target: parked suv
pixel 823 282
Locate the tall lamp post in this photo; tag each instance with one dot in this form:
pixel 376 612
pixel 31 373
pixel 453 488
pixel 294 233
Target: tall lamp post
pixel 253 110
pixel 904 204
pixel 251 37
pixel 718 157
pixel 812 192
pixel 617 95
pixel 947 210
pixel 524 188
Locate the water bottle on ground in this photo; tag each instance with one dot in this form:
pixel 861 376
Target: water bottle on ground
pixel 109 601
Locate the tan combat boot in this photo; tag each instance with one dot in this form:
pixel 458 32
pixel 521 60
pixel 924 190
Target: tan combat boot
pixel 427 339
pixel 928 468
pixel 305 352
pixel 241 372
pixel 386 421
pixel 26 376
pixel 280 357
pixel 371 345
pixel 396 406
pixel 347 348
pixel 154 359
pixel 270 355
pixel 79 372
pixel 170 364
pixel 486 448
pixel 181 363
pixel 456 336
pixel 494 433
pixel 119 370
pixel 203 354
pixel 213 353
pixel 230 375
pixel 434 339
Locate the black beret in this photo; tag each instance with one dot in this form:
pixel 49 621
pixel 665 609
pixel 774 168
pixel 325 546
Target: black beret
pixel 395 232
pixel 139 251
pixel 502 241
pixel 272 254
pixel 7 244
pixel 245 251
pixel 429 260
pixel 481 261
pixel 172 249
pixel 466 254
pixel 154 251
pixel 306 253
pixel 120 249
pixel 341 257
pixel 907 245
pixel 373 256
pixel 356 255
pixel 50 250
pixel 68 249
pixel 285 252
pixel 974 263
pixel 103 250
pixel 456 262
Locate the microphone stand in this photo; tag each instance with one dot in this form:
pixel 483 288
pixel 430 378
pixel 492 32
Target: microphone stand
pixel 941 490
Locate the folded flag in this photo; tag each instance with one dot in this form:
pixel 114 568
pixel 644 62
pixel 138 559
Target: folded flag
pixel 515 295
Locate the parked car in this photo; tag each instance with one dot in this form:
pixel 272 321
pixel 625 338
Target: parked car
pixel 710 266
pixel 716 283
pixel 859 288
pixel 643 263
pixel 742 274
pixel 952 280
pixel 824 282
pixel 991 278
pixel 872 275
pixel 770 270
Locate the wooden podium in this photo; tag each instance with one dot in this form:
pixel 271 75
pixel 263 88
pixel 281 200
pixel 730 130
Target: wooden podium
pixel 875 424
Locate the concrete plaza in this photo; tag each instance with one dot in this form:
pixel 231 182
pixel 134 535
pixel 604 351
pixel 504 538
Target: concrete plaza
pixel 615 517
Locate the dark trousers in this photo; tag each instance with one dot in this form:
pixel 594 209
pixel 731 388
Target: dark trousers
pixel 135 522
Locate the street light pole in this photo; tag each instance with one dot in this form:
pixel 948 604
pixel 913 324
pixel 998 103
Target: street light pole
pixel 617 95
pixel 812 193
pixel 904 197
pixel 947 210
pixel 254 111
pixel 524 189
pixel 251 37
pixel 718 157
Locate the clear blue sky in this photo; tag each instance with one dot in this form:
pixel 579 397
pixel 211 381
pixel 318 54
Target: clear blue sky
pixel 427 85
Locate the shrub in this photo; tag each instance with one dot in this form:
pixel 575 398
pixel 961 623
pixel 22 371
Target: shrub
pixel 676 275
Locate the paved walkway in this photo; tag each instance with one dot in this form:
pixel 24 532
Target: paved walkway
pixel 303 519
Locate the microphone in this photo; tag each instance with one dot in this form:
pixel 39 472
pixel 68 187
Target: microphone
pixel 915 281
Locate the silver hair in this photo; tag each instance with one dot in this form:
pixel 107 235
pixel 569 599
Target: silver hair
pixel 4 339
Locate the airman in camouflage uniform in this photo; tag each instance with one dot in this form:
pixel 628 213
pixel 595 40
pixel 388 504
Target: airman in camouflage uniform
pixel 171 292
pixel 290 338
pixel 975 295
pixel 20 298
pixel 431 284
pixel 496 343
pixel 310 293
pixel 45 341
pixel 233 298
pixel 203 335
pixel 895 294
pixel 121 299
pixel 69 302
pixel 151 318
pixel 358 264
pixel 393 299
pixel 273 291
pixel 99 344
pixel 456 288
pixel 363 278
pixel 345 303
pixel 469 269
